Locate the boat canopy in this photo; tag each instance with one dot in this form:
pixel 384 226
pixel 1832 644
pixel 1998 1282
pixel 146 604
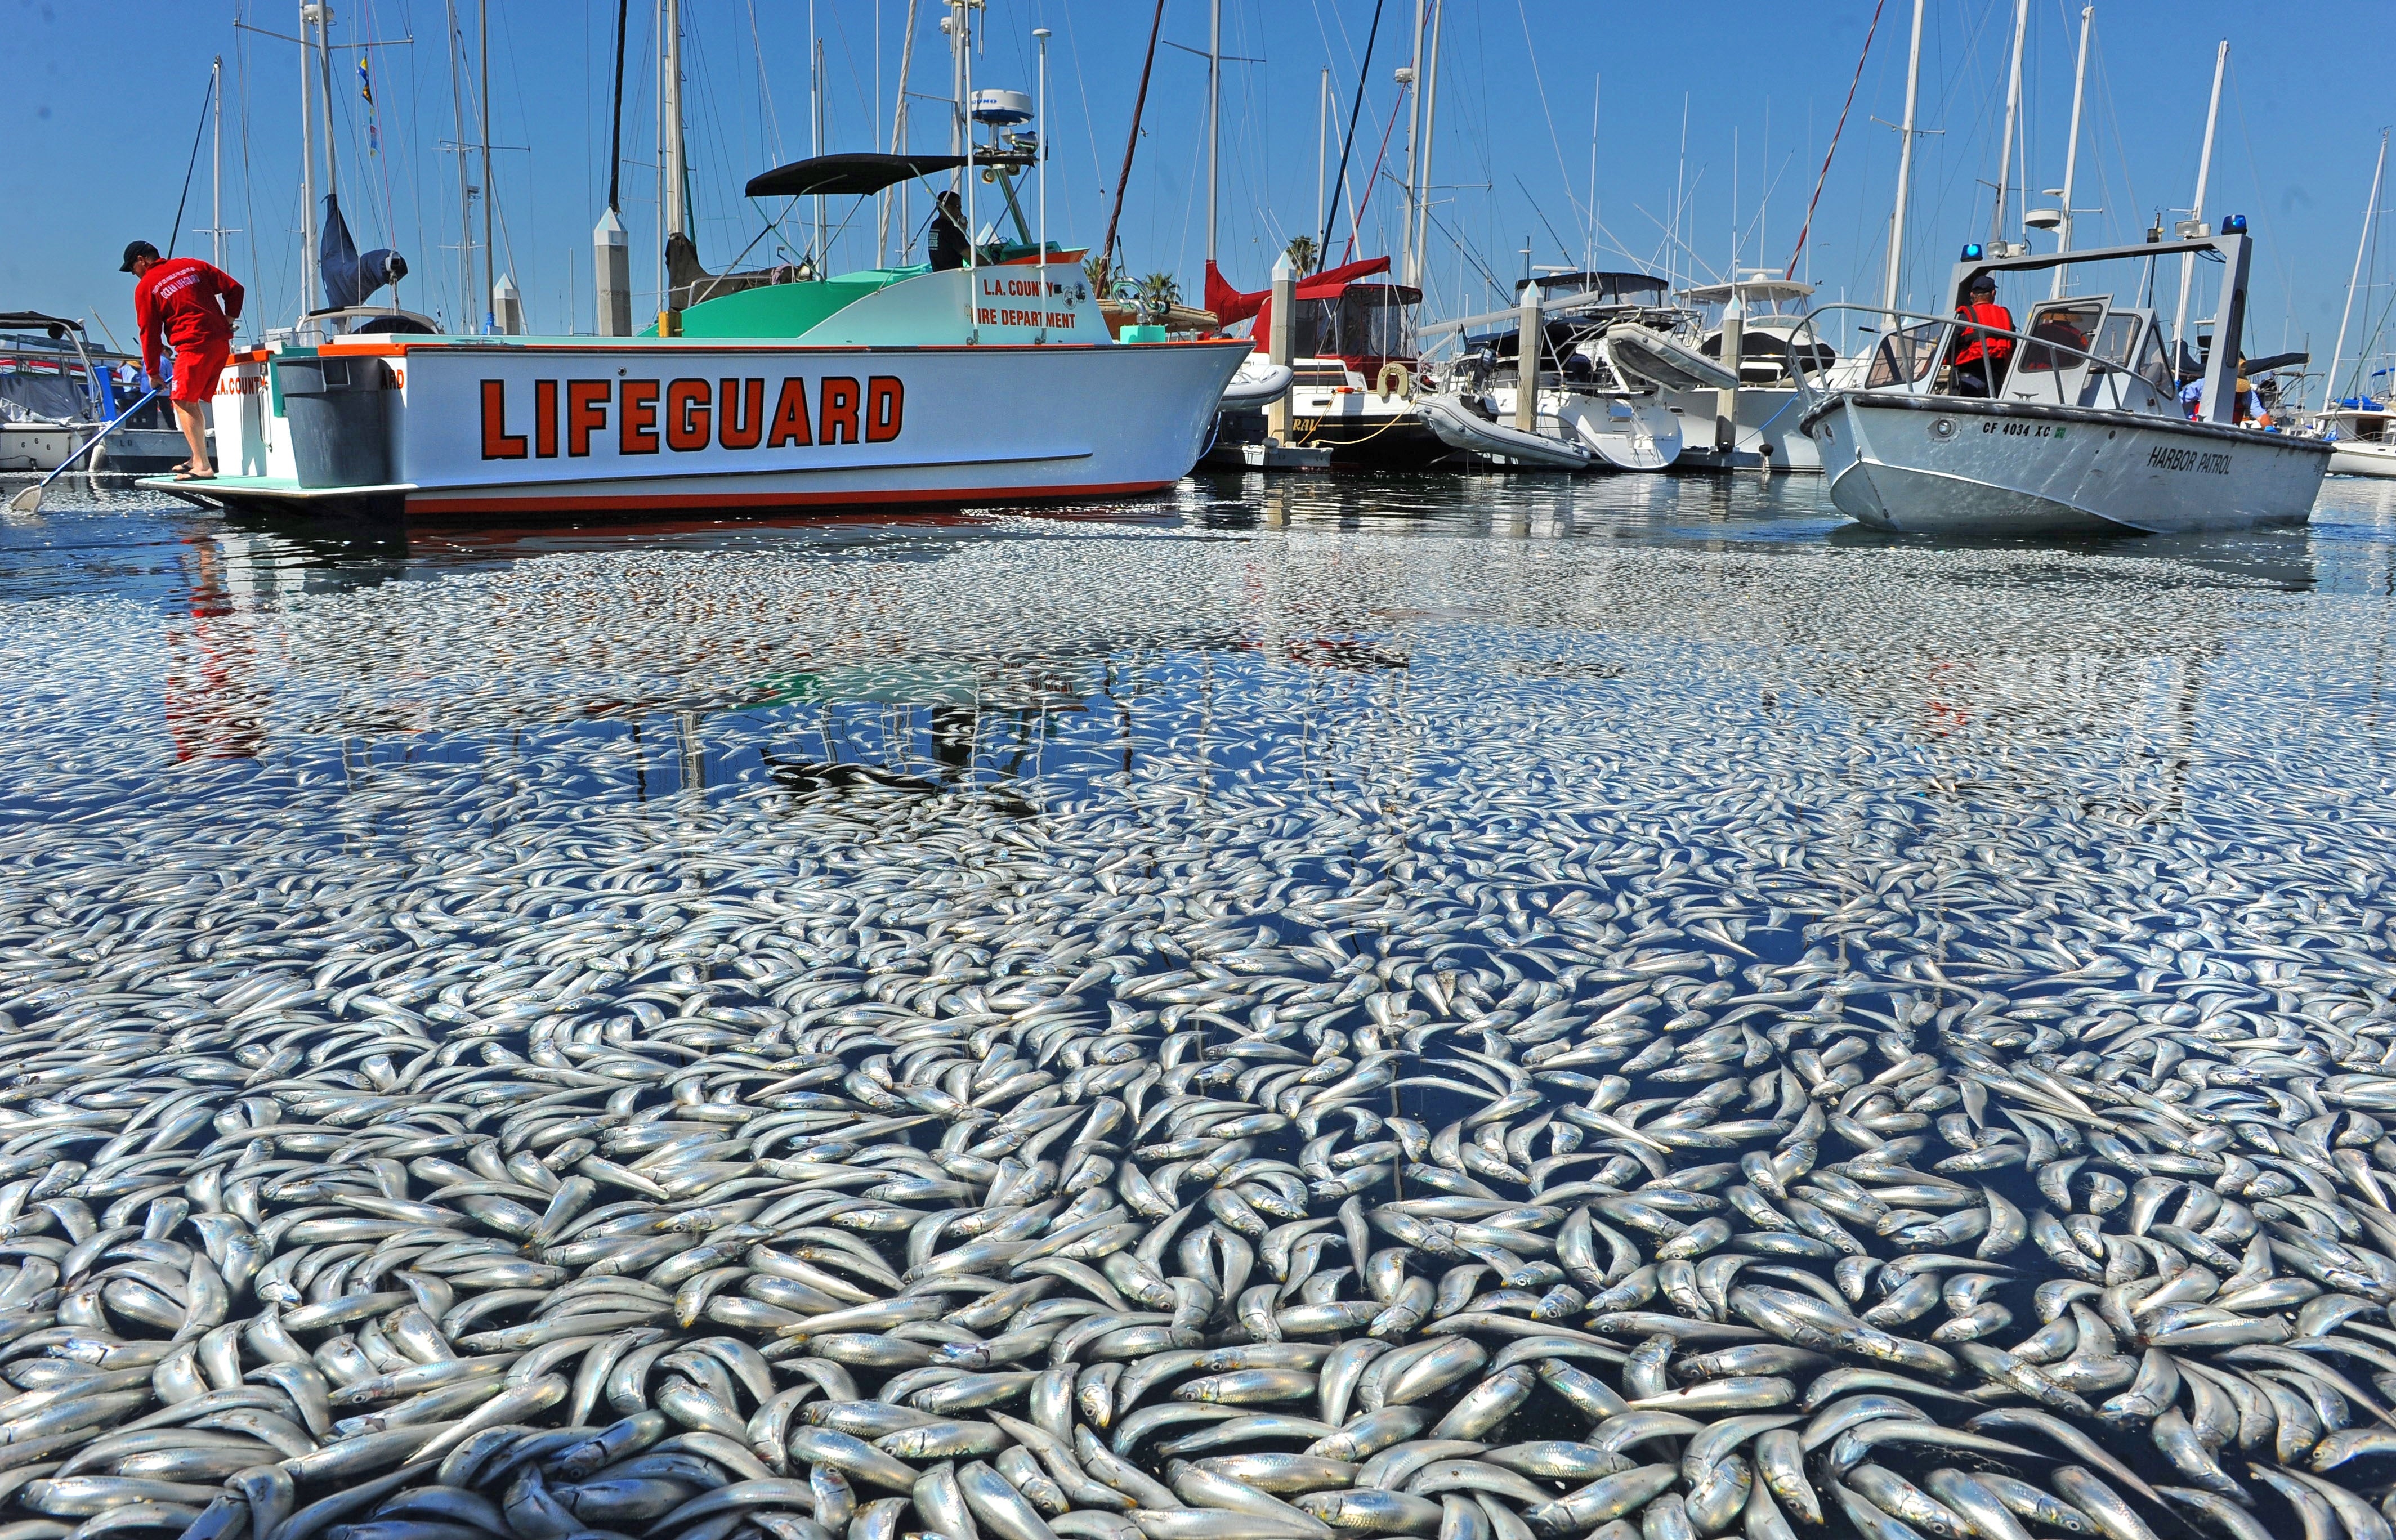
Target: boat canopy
pixel 1625 288
pixel 57 325
pixel 1770 291
pixel 861 173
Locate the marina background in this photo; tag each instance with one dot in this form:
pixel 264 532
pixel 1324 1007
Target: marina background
pixel 1758 89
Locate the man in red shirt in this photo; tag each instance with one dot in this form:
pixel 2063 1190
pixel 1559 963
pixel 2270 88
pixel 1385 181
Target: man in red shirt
pixel 1981 361
pixel 193 306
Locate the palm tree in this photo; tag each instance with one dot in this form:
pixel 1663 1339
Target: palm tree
pixel 1159 292
pixel 1301 254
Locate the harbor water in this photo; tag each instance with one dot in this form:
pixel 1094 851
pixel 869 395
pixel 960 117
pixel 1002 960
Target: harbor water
pixel 1255 868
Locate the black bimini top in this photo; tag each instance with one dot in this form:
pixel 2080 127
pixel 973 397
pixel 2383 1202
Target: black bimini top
pixel 13 320
pixel 859 173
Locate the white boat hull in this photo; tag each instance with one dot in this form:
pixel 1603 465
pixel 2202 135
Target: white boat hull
pixel 1942 465
pixel 1764 434
pixel 566 425
pixel 1459 427
pixel 2363 458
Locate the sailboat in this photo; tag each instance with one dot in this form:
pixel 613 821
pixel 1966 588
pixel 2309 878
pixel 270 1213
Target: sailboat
pixel 1353 366
pixel 990 381
pixel 2358 423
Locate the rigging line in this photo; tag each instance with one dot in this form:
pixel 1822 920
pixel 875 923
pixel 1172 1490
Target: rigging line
pixel 1539 80
pixel 2254 168
pixel 1564 250
pixel 1806 227
pixel 1373 181
pixel 1347 147
pixel 1138 106
pixel 198 134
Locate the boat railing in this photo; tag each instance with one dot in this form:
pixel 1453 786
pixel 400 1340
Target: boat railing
pixel 1914 355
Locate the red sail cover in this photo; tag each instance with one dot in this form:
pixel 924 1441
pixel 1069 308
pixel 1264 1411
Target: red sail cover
pixel 1231 307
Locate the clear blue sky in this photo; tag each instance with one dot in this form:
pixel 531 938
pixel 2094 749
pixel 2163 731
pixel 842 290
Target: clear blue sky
pixel 105 97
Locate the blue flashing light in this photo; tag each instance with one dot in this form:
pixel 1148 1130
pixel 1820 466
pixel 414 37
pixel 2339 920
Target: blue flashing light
pixel 1972 253
pixel 2233 224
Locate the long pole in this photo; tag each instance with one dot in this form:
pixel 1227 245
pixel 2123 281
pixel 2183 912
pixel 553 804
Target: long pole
pixel 670 169
pixel 2370 208
pixel 1138 106
pixel 2196 211
pixel 898 138
pixel 1040 115
pixel 308 270
pixel 1414 130
pixel 465 194
pixel 1904 167
pixel 2013 116
pixel 815 148
pixel 615 107
pixel 482 43
pixel 965 126
pixel 1430 124
pixel 2071 154
pixel 1347 146
pixel 1321 147
pixel 216 167
pixel 1214 114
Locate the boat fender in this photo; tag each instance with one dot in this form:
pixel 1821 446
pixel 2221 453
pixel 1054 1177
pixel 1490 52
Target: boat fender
pixel 1404 386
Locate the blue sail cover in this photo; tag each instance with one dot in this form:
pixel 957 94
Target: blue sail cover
pixel 350 278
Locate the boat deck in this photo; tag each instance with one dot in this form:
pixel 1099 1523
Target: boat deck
pixel 283 494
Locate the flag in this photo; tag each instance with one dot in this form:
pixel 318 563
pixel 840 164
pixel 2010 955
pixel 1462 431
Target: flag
pixel 366 89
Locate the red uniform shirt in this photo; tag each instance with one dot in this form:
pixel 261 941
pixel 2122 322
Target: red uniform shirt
pixel 1976 342
pixel 194 304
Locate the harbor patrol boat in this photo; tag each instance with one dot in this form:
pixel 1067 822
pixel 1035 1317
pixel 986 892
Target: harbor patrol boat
pixel 2086 433
pixel 992 382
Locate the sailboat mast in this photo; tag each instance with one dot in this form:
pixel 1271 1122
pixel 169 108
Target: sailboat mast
pixel 1414 128
pixel 216 165
pixel 490 285
pixel 1904 167
pixel 2196 211
pixel 2071 154
pixel 2370 208
pixel 2013 116
pixel 465 193
pixel 1430 124
pixel 1321 147
pixel 670 171
pixel 1214 114
pixel 308 266
pixel 899 140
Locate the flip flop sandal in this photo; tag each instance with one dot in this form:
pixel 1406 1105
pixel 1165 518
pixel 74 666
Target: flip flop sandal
pixel 196 475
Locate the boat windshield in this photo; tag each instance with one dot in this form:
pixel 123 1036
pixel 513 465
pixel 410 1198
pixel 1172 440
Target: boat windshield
pixel 1907 357
pixel 2153 366
pixel 2069 324
pixel 1364 321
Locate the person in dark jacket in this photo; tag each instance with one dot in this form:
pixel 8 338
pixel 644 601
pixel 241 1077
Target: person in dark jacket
pixel 950 242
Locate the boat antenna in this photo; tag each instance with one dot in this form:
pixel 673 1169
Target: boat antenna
pixel 1140 105
pixel 1808 224
pixel 1364 72
pixel 616 113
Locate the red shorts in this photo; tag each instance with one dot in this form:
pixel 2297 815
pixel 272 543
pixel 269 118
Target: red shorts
pixel 197 368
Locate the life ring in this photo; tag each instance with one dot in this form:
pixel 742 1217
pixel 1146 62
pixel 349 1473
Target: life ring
pixel 1405 387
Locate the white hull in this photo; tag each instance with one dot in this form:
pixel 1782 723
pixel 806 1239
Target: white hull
pixel 1618 432
pixel 1764 434
pixel 572 425
pixel 2361 458
pixel 1459 427
pixel 39 446
pixel 1947 466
